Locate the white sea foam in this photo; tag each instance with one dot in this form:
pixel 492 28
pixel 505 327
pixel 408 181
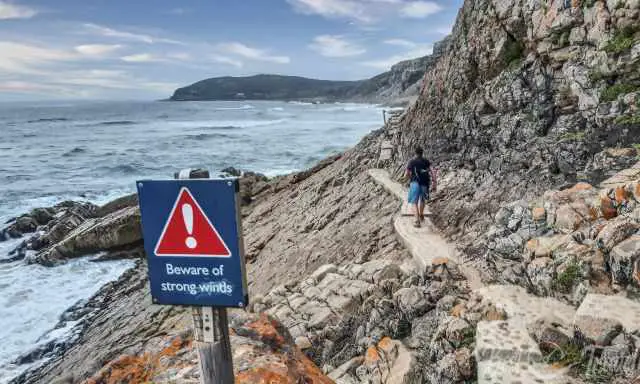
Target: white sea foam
pixel 33 297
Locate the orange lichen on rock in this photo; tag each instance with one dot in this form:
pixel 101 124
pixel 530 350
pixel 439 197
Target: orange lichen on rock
pixel 266 329
pixel 621 195
pixel 458 310
pixel 608 209
pixel 539 214
pixel 372 356
pixel 128 369
pixel 271 356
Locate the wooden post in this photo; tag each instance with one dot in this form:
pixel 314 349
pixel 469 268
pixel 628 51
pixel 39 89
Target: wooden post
pixel 211 327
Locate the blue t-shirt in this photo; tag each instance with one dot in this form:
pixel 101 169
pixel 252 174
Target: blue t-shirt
pixel 419 168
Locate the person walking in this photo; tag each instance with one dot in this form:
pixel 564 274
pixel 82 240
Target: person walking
pixel 420 176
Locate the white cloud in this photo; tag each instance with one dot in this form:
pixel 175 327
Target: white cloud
pixel 420 9
pixel 14 11
pixel 335 46
pixel 18 58
pixel 365 11
pixel 333 8
pixel 183 56
pixel 400 43
pixel 141 58
pixel 386 63
pixel 252 53
pixel 97 49
pixel 124 35
pixel 227 60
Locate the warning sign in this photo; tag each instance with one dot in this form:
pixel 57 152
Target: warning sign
pixel 192 233
pixel 189 232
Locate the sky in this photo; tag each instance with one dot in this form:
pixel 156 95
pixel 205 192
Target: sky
pixel 145 49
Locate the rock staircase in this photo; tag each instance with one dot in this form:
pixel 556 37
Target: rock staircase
pixel 505 351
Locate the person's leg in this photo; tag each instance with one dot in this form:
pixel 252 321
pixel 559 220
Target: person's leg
pixel 421 210
pixel 414 200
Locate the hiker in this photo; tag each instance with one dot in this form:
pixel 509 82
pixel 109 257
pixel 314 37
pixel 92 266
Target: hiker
pixel 420 174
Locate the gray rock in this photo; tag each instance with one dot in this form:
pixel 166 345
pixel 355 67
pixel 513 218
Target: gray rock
pixel 412 301
pixel 615 232
pixel 622 260
pixel 113 231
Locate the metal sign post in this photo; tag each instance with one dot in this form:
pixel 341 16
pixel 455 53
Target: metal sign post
pixel 193 240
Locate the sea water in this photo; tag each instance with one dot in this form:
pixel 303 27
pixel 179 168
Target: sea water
pixel 95 151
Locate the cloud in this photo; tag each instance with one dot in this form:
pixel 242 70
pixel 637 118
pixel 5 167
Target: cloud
pixel 420 9
pixel 333 9
pixel 141 58
pixel 335 46
pixel 252 53
pixel 183 56
pixel 179 11
pixel 386 63
pixel 124 35
pixel 18 58
pixel 97 49
pixel 365 11
pixel 14 11
pixel 227 60
pixel 400 43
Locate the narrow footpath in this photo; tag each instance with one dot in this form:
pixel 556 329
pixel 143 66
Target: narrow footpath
pixel 505 352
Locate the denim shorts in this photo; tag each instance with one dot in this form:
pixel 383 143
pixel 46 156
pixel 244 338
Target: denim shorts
pixel 418 193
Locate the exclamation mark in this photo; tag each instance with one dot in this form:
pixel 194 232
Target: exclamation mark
pixel 187 215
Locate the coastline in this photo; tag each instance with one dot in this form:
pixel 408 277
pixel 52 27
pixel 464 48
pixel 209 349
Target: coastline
pixel 262 225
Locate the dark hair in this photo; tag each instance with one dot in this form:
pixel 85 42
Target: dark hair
pixel 419 151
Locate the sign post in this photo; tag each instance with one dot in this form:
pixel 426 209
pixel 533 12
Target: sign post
pixel 193 241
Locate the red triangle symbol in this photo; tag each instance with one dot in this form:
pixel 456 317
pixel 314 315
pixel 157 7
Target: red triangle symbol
pixel 189 232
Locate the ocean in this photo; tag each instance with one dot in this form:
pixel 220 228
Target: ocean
pixel 95 151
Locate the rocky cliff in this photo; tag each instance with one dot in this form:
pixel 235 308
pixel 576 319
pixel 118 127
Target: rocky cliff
pixel 528 96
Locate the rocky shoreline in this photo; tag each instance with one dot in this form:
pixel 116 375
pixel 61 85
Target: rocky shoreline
pixel 537 141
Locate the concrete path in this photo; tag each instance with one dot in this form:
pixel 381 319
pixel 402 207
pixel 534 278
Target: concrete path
pixel 425 244
pixel 505 351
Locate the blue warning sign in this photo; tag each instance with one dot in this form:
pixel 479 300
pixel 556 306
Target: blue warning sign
pixel 193 241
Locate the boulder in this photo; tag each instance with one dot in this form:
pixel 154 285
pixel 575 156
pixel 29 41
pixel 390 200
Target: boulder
pixel 622 260
pixel 550 333
pixel 541 272
pixel 615 232
pixel 544 246
pixel 601 330
pixel 412 300
pixel 113 231
pixel 567 219
pixel 118 204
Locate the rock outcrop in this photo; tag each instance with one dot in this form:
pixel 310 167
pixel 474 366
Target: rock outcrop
pixel 529 95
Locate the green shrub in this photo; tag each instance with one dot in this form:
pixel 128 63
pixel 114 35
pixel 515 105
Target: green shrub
pixel 621 41
pixel 514 52
pixel 589 3
pixel 565 281
pixel 628 120
pixel 611 93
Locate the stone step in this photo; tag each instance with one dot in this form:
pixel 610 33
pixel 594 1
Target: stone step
pixel 511 372
pixel 524 307
pixel 505 340
pixel 598 315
